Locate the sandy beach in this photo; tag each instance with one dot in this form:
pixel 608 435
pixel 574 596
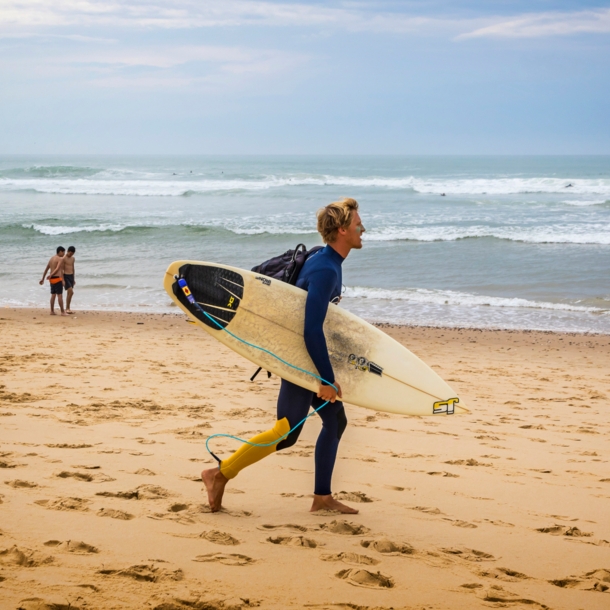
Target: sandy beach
pixel 103 421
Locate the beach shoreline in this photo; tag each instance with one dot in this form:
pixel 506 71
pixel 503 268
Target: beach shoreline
pixel 103 422
pixel 377 323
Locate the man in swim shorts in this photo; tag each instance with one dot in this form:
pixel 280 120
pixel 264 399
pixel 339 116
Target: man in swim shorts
pixel 341 229
pixel 69 281
pixel 55 266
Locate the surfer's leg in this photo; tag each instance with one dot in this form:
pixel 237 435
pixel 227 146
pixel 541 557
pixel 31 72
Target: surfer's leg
pixel 262 445
pixel 216 479
pixel 334 422
pixel 293 403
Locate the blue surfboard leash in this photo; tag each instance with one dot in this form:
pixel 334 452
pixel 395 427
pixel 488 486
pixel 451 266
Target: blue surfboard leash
pixel 191 299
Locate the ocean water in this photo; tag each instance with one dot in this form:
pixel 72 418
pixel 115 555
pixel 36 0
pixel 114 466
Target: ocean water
pixel 501 242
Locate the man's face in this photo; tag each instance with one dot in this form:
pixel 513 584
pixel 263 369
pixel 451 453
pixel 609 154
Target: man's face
pixel 353 233
pixel 70 254
pixel 61 253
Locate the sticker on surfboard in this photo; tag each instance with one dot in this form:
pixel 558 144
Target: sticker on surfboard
pixel 445 406
pixel 362 364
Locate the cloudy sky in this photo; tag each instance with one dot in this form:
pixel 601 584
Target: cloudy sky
pixel 243 76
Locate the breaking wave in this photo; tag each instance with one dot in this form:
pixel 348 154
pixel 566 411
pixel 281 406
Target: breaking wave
pixel 449 297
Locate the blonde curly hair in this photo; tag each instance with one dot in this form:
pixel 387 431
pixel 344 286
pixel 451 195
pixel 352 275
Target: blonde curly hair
pixel 336 215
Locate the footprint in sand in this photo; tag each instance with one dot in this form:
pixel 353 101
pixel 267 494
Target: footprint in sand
pixel 364 578
pixel 288 526
pixel 444 474
pixel 115 514
pixel 499 523
pixel 142 492
pixel 387 547
pixel 469 554
pixel 8 464
pixel 460 523
pixel 65 504
pixel 227 559
pixel 429 510
pixel 596 580
pixel 353 496
pixel 345 528
pixel 37 603
pixel 299 541
pixel 68 446
pixel 193 514
pixel 469 462
pixel 219 538
pixel 72 546
pixel 145 573
pixel 498 595
pixel 564 530
pixel 505 574
pixel 85 476
pixel 351 558
pixel 146 472
pixel 25 558
pixel 19 484
pixel 472 585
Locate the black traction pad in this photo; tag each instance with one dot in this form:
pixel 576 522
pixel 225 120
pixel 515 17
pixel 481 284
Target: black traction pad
pixel 218 292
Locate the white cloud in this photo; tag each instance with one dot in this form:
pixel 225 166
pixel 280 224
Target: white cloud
pixel 160 66
pixel 193 14
pixel 546 24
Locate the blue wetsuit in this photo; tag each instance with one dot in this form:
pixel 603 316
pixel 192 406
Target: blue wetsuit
pixel 321 277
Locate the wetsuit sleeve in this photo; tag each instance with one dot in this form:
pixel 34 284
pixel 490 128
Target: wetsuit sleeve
pixel 321 284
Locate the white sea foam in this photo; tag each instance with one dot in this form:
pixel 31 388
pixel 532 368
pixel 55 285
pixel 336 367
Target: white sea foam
pixel 147 185
pixel 450 297
pixel 66 230
pixel 580 203
pixel 553 234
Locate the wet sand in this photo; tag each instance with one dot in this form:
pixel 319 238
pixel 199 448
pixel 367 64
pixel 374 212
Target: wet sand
pixel 103 420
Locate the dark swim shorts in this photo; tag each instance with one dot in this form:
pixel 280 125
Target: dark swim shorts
pixel 56 287
pixel 69 280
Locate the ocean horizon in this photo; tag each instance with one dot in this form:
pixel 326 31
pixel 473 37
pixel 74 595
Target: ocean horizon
pixel 513 242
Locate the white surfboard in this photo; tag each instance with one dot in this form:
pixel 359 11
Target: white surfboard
pixel 374 370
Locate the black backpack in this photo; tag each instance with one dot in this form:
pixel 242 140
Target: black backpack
pixel 287 266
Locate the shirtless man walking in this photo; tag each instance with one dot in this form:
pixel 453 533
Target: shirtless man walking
pixel 55 267
pixel 69 281
pixel 341 229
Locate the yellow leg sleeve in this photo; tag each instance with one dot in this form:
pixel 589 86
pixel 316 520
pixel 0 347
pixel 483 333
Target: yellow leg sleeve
pixel 248 454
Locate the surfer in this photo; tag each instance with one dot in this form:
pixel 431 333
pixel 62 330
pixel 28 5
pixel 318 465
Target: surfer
pixel 69 281
pixel 56 279
pixel 341 229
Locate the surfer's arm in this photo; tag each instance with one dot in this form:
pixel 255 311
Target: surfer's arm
pixel 319 291
pixel 44 273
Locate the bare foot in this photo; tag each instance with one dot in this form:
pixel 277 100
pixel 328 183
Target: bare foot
pixel 215 483
pixel 63 313
pixel 69 312
pixel 329 503
pixel 53 313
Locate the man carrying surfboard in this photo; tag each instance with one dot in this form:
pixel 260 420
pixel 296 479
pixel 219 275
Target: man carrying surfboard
pixel 341 229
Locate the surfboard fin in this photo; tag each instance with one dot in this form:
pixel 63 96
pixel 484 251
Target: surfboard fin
pixel 258 370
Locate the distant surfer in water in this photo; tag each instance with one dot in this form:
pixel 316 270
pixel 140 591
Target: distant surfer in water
pixel 341 228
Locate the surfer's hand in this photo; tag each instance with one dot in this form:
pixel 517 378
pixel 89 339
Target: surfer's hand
pixel 327 392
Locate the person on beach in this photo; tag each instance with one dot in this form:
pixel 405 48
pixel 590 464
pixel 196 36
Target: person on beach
pixel 55 269
pixel 341 228
pixel 69 281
